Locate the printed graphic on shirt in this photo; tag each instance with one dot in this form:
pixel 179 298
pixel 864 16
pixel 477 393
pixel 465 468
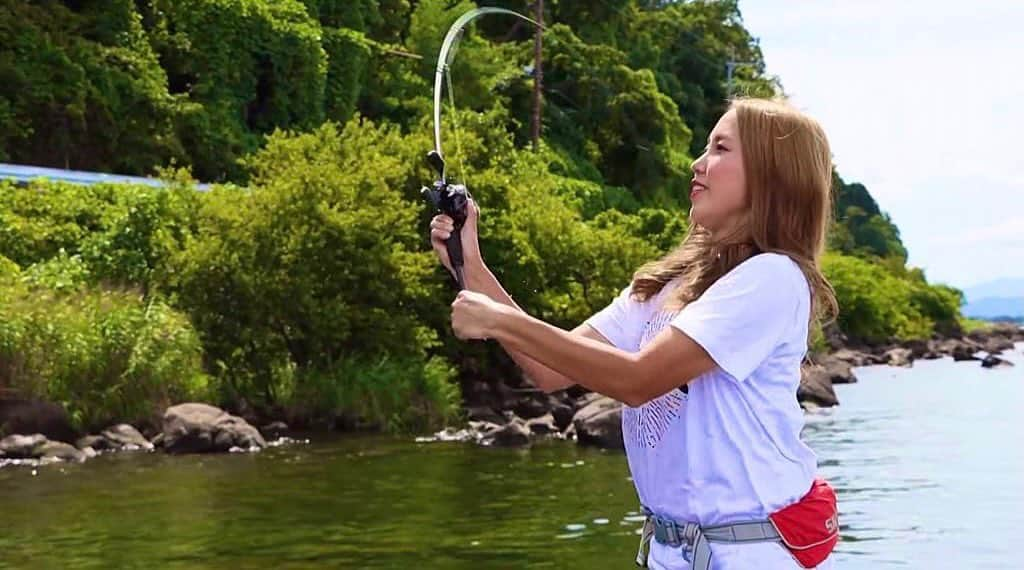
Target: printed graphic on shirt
pixel 649 422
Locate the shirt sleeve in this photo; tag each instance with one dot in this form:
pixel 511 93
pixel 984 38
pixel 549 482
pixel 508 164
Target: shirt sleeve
pixel 621 321
pixel 745 315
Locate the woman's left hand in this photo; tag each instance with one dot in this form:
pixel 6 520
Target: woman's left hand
pixel 475 315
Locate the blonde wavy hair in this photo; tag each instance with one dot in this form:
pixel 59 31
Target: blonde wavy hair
pixel 788 166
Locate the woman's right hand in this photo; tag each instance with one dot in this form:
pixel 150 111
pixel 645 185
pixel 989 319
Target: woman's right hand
pixel 441 227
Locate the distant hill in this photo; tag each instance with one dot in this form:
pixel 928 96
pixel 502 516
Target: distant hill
pixel 999 298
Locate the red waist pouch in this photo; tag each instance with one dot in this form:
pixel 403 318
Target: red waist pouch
pixel 809 528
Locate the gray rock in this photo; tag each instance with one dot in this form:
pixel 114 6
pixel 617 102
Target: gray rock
pixel 835 337
pixel 588 398
pixel 599 423
pixel 544 425
pixel 853 357
pixel 899 357
pixel 22 446
pixel 562 415
pixel 126 437
pixel 274 430
pixel 962 351
pixel 481 429
pixel 816 387
pixel 993 361
pixel 201 428
pixel 529 407
pixel 60 450
pixel 513 434
pixel 839 371
pixel 918 348
pixel 484 414
pixel 96 442
pixel 997 345
pixel 570 432
pixel 448 434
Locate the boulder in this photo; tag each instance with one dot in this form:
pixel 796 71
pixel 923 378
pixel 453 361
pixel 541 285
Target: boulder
pixel 274 430
pixel 962 351
pixel 125 437
pixel 853 357
pixel 529 407
pixel 201 428
pixel 899 357
pixel 993 361
pixel 839 371
pixel 816 387
pixel 562 414
pixel 919 348
pixel 544 425
pixel 515 433
pixel 94 442
pixel 60 450
pixel 22 446
pixel 599 423
pixel 484 414
pixel 120 437
pixel 36 446
pixel 997 344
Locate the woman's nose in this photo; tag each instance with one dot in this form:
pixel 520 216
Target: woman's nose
pixel 700 164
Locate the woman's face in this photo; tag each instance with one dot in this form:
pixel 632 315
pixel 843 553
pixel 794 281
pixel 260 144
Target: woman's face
pixel 718 193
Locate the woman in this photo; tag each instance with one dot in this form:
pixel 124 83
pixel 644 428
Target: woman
pixel 704 348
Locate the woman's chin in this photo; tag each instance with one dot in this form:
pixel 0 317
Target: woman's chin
pixel 698 217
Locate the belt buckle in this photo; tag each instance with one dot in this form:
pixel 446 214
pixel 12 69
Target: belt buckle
pixel 666 532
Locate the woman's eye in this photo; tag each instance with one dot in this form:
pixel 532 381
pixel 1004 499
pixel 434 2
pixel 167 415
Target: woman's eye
pixel 720 147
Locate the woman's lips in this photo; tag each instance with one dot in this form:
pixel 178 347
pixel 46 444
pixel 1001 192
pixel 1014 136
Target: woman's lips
pixel 696 188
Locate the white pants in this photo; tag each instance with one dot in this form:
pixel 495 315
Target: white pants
pixel 756 555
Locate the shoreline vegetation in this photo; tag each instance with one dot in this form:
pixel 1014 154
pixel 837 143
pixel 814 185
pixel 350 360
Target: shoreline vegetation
pixel 300 286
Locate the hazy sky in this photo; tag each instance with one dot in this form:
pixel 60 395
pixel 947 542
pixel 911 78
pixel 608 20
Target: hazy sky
pixel 923 102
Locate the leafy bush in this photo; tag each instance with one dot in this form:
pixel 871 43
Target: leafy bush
pixel 312 289
pixel 876 305
pixel 83 88
pixel 123 233
pixel 106 355
pixel 314 274
pixel 247 67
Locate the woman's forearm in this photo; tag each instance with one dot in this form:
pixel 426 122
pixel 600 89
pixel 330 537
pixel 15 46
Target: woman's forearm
pixel 599 366
pixel 480 279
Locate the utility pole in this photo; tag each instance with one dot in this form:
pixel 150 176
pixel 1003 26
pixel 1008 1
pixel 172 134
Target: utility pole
pixel 538 74
pixel 729 67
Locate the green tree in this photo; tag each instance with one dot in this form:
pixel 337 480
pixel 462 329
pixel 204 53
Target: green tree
pixel 249 67
pixel 80 87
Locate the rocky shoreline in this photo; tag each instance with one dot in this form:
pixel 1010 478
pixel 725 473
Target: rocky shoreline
pixel 497 414
pixel 504 416
pixel 835 367
pixel 185 428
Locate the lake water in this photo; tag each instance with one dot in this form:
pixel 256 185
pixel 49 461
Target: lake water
pixel 928 463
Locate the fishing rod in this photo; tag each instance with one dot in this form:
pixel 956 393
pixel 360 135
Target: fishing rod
pixel 447 197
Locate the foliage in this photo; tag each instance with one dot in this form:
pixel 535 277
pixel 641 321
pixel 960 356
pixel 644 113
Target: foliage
pixel 861 228
pixel 315 268
pixel 106 355
pixel 302 281
pixel 123 233
pixel 81 87
pixel 877 305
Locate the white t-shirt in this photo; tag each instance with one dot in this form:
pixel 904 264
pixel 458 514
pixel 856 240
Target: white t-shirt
pixel 730 450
